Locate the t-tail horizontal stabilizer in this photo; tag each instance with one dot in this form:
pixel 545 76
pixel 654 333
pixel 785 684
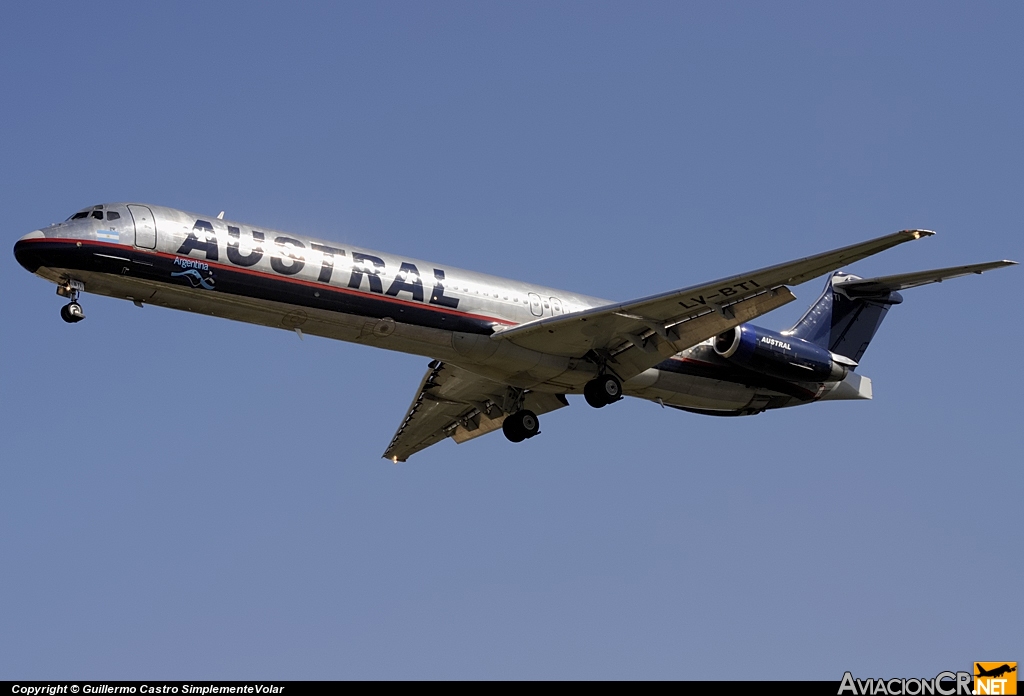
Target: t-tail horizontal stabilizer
pixel 850 310
pixel 853 287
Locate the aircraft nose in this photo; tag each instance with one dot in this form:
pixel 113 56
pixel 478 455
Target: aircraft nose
pixel 24 252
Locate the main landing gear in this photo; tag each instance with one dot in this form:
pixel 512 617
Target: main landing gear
pixel 71 312
pixel 521 425
pixel 603 390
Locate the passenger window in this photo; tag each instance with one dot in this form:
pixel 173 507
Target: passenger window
pixel 98 214
pixel 111 215
pixel 79 216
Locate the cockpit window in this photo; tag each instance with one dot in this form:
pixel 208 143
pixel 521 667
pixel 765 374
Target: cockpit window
pixel 111 215
pixel 98 214
pixel 79 216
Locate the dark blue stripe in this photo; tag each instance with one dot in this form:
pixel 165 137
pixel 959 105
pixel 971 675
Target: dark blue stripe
pixel 33 254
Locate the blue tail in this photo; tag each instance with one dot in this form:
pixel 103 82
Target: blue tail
pixel 844 320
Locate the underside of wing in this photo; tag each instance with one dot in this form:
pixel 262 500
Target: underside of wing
pixel 452 402
pixel 632 336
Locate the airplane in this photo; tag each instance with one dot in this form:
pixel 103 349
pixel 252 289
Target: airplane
pixel 996 672
pixel 501 352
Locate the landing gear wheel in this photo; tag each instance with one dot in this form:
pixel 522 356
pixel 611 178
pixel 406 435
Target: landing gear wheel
pixel 602 391
pixel 72 313
pixel 521 425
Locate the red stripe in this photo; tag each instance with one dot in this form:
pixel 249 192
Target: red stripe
pixel 299 281
pixel 691 360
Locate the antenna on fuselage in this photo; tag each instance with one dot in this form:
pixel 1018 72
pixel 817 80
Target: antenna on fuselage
pixel 221 216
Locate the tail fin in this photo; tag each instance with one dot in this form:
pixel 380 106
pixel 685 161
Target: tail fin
pixel 850 310
pixel 843 324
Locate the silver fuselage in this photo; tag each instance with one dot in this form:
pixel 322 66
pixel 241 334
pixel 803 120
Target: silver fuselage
pixel 171 258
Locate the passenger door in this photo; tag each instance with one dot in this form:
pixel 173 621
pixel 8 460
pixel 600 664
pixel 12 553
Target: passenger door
pixel 145 226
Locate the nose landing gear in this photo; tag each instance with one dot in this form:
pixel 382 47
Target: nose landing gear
pixel 603 390
pixel 71 312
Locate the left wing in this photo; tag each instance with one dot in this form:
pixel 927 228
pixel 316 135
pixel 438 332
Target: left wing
pixel 452 402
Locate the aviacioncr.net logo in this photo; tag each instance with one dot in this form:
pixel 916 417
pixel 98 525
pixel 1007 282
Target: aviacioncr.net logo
pixel 995 678
pixel 943 684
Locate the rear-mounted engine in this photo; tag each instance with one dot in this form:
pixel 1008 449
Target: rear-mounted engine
pixel 778 355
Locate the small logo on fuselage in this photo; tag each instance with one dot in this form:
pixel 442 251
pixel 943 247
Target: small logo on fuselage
pixel 193 273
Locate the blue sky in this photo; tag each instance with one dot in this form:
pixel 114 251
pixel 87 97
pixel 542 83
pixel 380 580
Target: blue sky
pixel 185 497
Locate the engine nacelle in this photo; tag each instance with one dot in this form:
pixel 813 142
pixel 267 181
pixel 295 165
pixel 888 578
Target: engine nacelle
pixel 777 355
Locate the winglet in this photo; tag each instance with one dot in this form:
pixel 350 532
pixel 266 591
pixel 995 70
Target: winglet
pixel 917 234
